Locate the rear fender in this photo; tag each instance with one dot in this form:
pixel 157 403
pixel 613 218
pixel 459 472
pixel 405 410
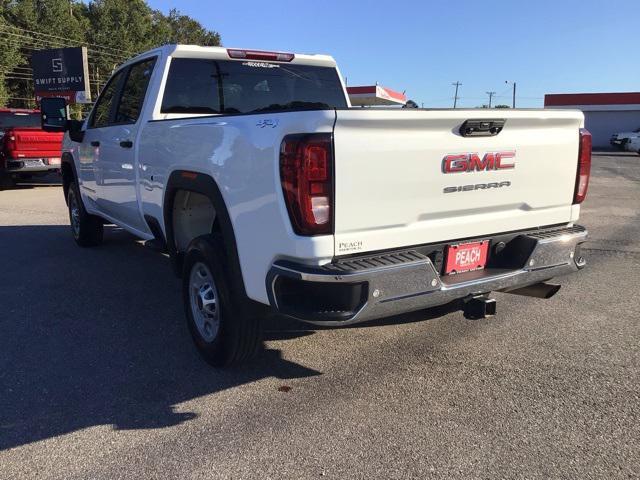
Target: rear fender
pixel 204 185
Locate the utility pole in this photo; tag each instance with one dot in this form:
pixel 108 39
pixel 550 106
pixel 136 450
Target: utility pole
pixel 455 96
pixel 491 94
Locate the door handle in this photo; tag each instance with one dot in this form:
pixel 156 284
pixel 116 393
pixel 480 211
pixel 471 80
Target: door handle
pixel 95 143
pixel 126 144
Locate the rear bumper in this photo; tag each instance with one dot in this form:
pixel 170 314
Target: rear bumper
pixel 364 288
pixel 28 165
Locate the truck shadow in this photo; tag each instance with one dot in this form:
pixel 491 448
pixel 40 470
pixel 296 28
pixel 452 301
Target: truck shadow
pixel 97 336
pixel 30 182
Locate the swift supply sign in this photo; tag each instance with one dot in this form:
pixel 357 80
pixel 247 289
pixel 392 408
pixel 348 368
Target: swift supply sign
pixel 61 72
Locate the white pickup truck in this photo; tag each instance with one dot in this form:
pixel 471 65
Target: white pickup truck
pixel 269 191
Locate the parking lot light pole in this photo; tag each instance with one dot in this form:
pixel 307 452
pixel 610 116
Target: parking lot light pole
pixel 514 92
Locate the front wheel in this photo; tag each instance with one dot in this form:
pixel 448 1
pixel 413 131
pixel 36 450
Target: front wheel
pixel 87 229
pixel 220 324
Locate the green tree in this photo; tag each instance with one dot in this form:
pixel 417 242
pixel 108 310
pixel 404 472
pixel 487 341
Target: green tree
pixel 22 24
pixel 112 30
pixel 10 55
pixel 119 30
pixel 178 28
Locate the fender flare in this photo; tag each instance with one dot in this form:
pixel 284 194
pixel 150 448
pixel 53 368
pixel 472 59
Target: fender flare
pixel 203 184
pixel 67 159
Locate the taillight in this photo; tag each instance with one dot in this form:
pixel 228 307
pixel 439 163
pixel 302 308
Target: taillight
pixel 10 143
pixel 260 55
pixel 306 165
pixel 584 166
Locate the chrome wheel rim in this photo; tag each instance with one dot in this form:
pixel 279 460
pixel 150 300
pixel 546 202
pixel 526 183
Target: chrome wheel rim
pixel 205 307
pixel 74 215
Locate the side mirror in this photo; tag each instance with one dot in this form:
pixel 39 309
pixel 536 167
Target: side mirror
pixel 53 114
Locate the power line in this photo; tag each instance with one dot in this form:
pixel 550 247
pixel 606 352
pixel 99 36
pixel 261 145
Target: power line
pixel 104 47
pixel 30 74
pixel 18 76
pixel 54 44
pixel 35 47
pixel 21 98
pixel 39 46
pixel 35 44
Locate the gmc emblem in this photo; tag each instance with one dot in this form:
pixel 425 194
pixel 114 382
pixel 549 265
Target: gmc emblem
pixel 471 162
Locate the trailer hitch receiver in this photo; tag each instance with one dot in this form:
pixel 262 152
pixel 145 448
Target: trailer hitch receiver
pixel 480 306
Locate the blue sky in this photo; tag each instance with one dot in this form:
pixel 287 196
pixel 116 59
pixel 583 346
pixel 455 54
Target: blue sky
pixel 423 46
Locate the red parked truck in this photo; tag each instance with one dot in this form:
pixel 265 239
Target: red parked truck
pixel 26 149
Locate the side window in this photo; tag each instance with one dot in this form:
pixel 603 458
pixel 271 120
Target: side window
pixel 192 87
pixel 134 91
pixel 102 111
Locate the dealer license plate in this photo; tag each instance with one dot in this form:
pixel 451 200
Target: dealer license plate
pixel 465 257
pixel 34 163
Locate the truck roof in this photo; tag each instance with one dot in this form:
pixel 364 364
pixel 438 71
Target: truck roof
pixel 222 53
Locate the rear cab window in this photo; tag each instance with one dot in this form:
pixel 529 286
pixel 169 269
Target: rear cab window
pixel 207 86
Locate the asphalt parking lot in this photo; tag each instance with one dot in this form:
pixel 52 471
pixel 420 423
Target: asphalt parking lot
pixel 99 378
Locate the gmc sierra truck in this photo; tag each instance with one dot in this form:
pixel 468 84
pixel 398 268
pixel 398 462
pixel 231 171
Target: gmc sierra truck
pixel 25 149
pixel 270 193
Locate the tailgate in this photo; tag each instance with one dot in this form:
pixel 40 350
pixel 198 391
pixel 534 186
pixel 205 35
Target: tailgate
pixel 391 188
pixel 35 143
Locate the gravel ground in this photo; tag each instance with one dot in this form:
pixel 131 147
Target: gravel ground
pixel 99 379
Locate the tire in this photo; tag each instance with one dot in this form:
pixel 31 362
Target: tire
pixel 87 230
pixel 219 320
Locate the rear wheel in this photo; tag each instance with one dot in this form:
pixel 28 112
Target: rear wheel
pixel 220 324
pixel 87 229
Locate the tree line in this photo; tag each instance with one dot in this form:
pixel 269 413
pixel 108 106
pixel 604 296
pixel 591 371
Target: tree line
pixel 112 31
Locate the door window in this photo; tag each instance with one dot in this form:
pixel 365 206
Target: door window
pixel 134 91
pixel 102 111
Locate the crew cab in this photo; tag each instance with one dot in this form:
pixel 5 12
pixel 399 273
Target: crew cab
pixel 270 193
pixel 26 149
